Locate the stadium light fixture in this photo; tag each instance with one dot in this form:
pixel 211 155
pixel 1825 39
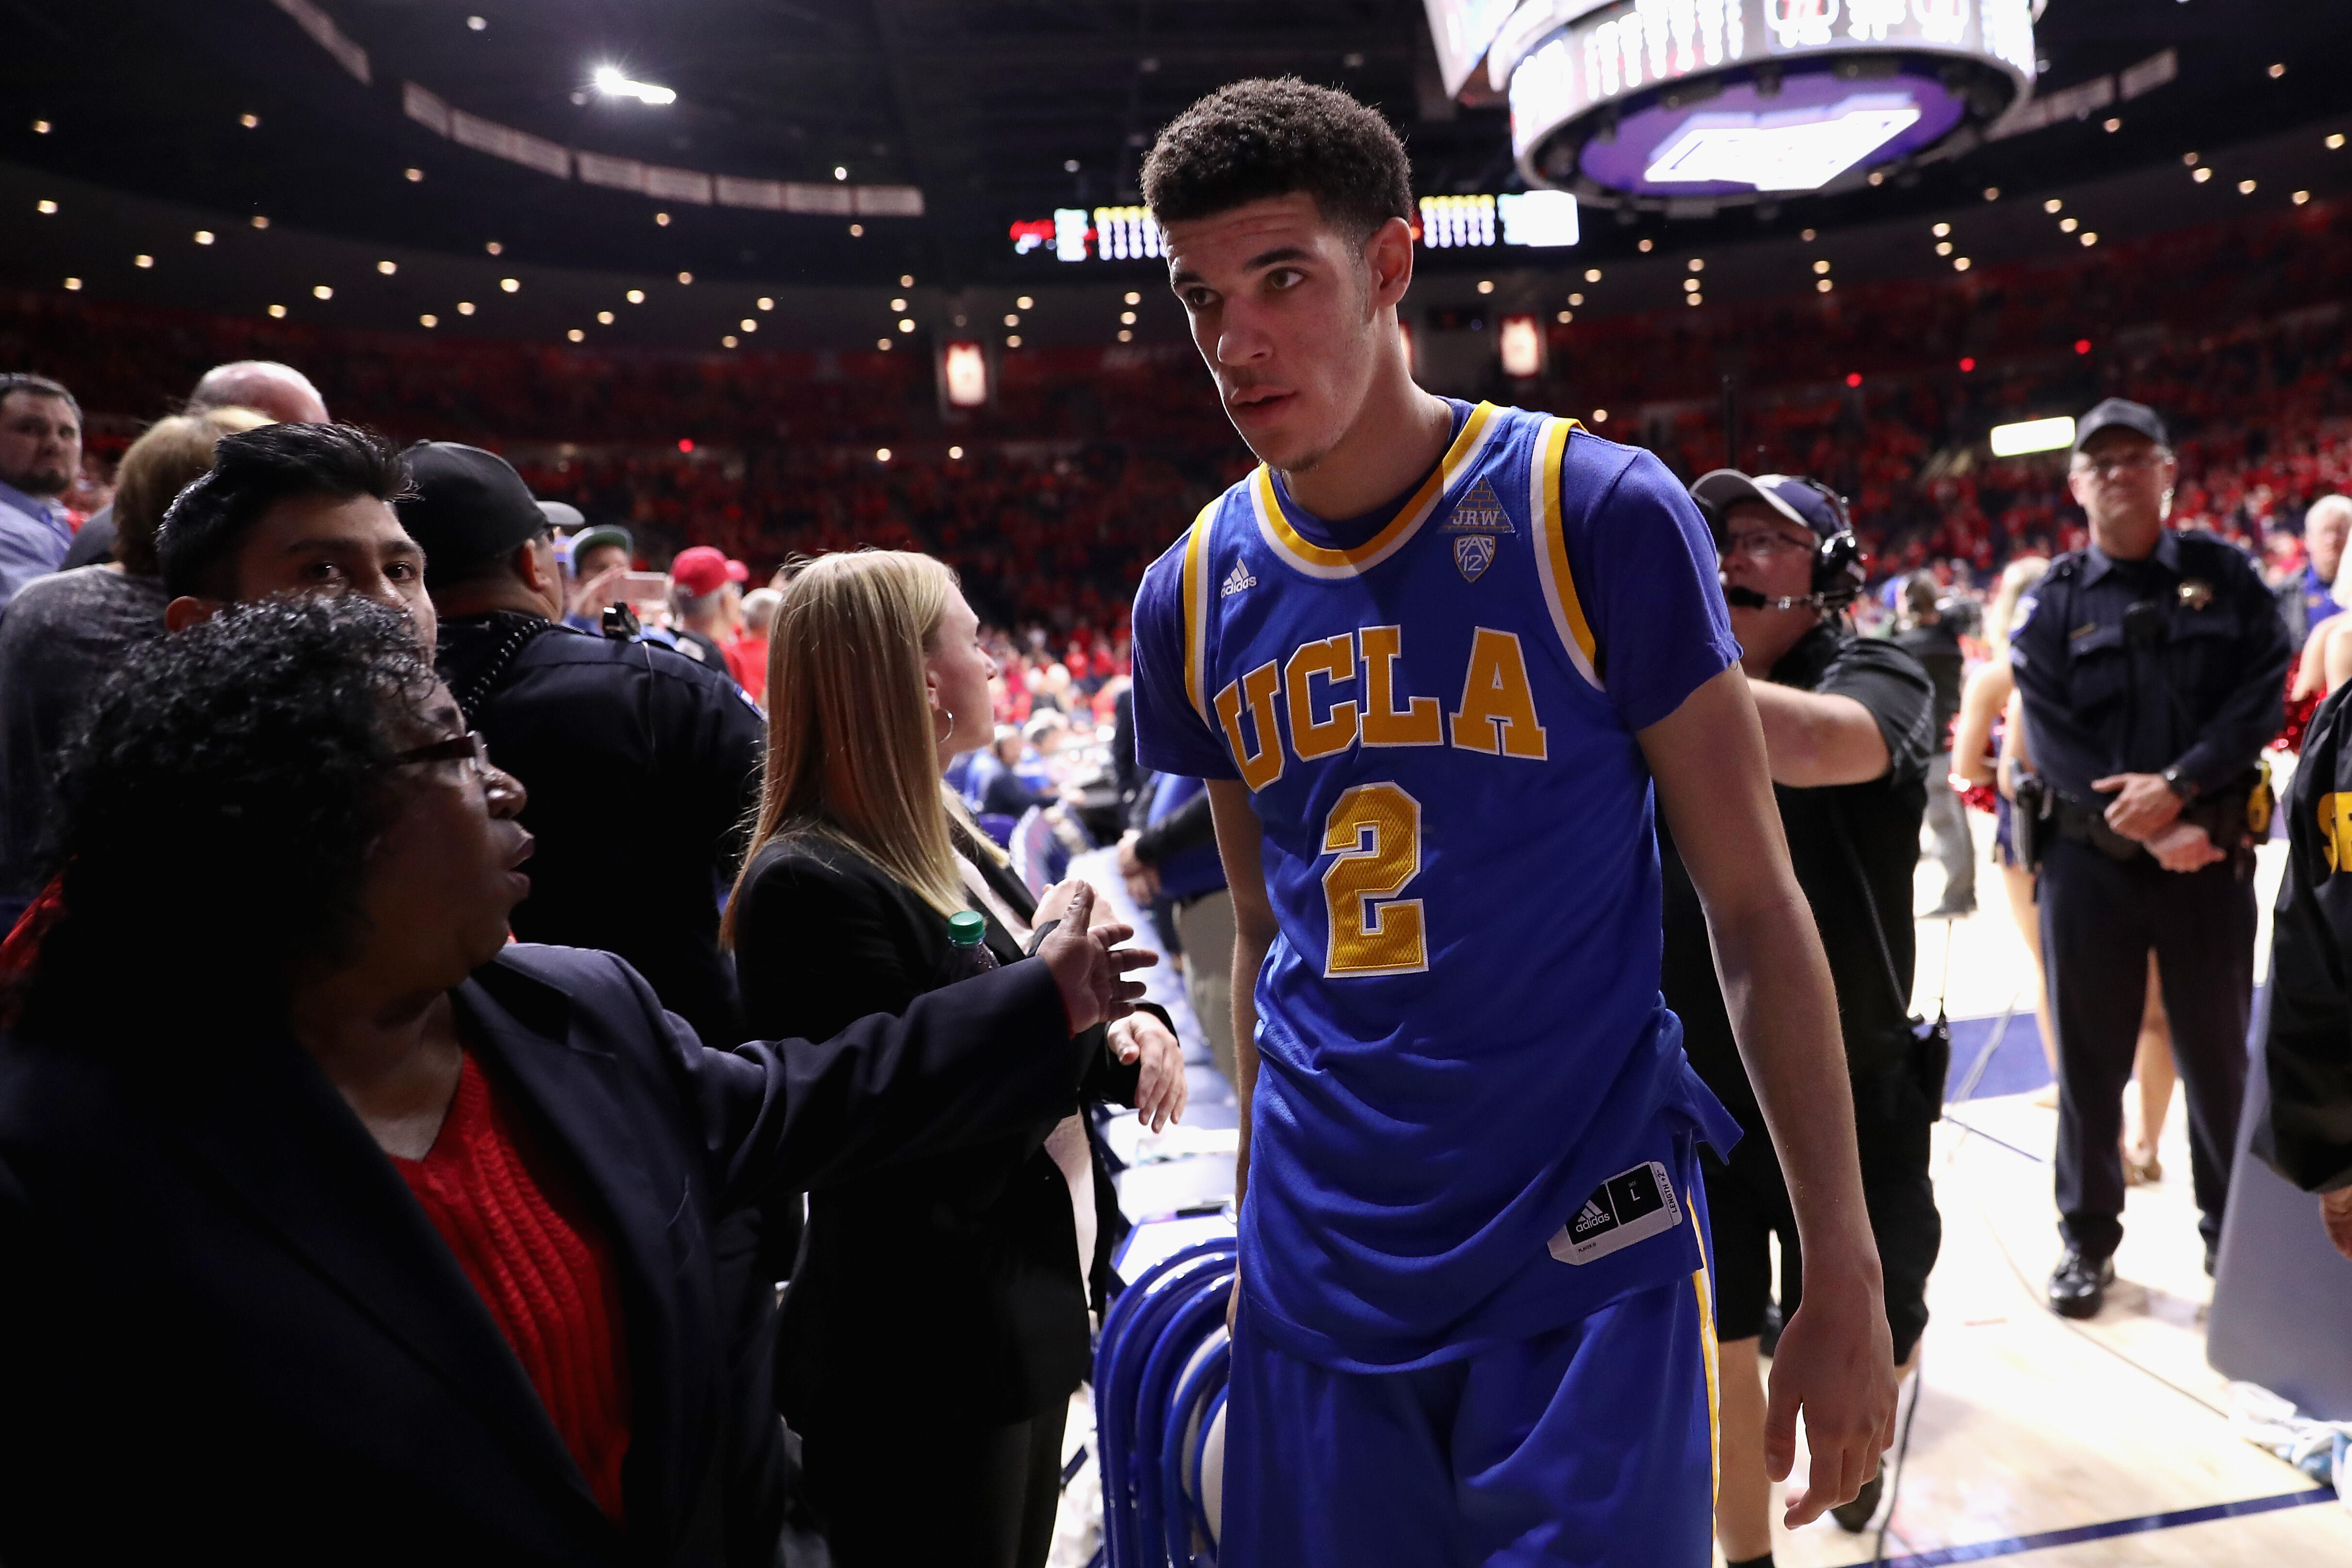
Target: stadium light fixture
pixel 1800 150
pixel 46 207
pixel 204 237
pixel 428 321
pixel 142 261
pixel 73 284
pixel 2033 436
pixel 955 452
pixel 609 81
pixel 277 313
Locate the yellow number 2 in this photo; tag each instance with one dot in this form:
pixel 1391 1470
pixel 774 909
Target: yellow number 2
pixel 1375 831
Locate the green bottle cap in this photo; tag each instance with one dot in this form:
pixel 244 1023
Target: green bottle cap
pixel 967 926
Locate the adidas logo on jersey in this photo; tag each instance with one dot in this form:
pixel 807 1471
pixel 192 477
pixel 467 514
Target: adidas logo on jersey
pixel 1236 580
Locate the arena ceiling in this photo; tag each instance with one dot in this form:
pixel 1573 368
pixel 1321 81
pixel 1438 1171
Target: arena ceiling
pixel 996 113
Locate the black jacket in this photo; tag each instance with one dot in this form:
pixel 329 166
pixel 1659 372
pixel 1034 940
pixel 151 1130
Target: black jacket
pixel 2308 1053
pixel 644 769
pixel 950 1283
pixel 232 1334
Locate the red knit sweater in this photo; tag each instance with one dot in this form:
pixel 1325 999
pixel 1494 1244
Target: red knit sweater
pixel 539 1264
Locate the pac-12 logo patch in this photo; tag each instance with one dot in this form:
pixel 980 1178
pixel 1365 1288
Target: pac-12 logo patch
pixel 1633 1205
pixel 1474 552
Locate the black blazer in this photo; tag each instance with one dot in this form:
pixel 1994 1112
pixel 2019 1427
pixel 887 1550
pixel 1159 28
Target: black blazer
pixel 950 1282
pixel 230 1331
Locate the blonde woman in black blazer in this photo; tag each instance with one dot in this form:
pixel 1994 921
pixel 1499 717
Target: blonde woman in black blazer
pixel 937 1318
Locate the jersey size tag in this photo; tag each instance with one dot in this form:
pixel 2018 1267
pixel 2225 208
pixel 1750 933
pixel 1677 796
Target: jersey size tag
pixel 1630 1206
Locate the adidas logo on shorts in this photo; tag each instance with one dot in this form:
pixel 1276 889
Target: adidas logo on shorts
pixel 1236 580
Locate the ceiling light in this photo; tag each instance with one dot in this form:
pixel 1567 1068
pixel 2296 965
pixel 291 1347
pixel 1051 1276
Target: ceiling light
pixel 613 84
pixel 259 221
pixel 1133 297
pixel 1962 263
pixel 1692 300
pixel 1127 318
pixel 1942 229
pixel 1644 247
pixel 2033 436
pixel 204 237
pixel 2201 176
pixel 2335 142
pixel 906 281
pixel 1565 317
pixel 576 335
pixel 766 303
pixel 142 261
pixel 749 323
pixel 1601 416
pixel 1822 266
pixel 955 451
pixel 839 172
pixel 881 454
pixel 906 324
pixel 2088 237
pixel 465 307
pixel 1992 193
pixel 661 220
pixel 635 296
pixel 44 206
pixel 858 231
pixel 1592 275
pixel 510 284
pixel 1126 336
pixel 1012 320
pixel 1697 265
pixel 1576 299
pixel 2053 205
pixel 897 305
pixel 2189 159
pixel 686 276
pixel 1822 286
pixel 1025 303
pixel 1780 151
pixel 73 283
pixel 414 174
pixel 727 341
pixel 279 312
pixel 320 291
pixel 1943 247
pixel 2277 71
pixel 476 23
pixel 495 248
pixel 2301 197
pixel 40 128
pixel 2245 187
pixel 2111 125
pixel 604 318
pixel 1485 286
pixel 1806 236
pixel 1690 284
pixel 248 121
pixel 1013 341
pixel 387 268
pixel 2067 226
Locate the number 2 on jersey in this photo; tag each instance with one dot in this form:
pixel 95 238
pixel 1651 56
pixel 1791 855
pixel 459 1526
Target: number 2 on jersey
pixel 1375 832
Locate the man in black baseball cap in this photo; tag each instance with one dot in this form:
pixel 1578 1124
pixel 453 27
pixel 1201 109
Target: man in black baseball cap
pixel 640 764
pixel 2121 414
pixel 1849 734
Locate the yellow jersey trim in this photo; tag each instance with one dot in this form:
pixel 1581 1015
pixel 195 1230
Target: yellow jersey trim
pixel 1551 552
pixel 1196 612
pixel 1316 561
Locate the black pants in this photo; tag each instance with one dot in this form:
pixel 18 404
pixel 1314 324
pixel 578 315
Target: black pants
pixel 2100 917
pixel 901 1488
pixel 1747 1204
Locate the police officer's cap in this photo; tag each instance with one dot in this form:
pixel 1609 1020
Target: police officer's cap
pixel 2120 413
pixel 469 505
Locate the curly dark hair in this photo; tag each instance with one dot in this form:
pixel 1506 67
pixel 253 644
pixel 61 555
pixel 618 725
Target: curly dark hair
pixel 218 811
pixel 197 545
pixel 1271 136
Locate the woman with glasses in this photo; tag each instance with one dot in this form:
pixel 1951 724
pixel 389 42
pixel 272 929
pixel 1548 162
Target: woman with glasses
pixel 334 1227
pixel 937 1323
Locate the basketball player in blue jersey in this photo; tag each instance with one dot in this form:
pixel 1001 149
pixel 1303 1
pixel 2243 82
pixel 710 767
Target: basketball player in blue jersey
pixel 1434 660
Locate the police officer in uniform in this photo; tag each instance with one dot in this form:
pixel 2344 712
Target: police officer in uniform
pixel 2152 666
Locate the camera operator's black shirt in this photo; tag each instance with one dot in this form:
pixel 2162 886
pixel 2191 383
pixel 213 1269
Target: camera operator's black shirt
pixel 2307 1137
pixel 1882 822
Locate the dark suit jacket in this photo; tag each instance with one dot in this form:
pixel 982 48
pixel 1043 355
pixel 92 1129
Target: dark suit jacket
pixel 230 1331
pixel 950 1282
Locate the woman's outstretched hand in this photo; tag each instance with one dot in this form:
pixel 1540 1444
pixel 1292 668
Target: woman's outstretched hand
pixel 1159 1088
pixel 1088 964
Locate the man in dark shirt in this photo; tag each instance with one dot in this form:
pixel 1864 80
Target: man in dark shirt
pixel 2152 666
pixel 643 766
pixel 1931 640
pixel 1848 732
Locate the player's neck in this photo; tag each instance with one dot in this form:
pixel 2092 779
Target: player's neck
pixel 1398 435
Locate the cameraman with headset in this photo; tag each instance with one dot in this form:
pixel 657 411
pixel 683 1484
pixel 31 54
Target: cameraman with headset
pixel 1848 731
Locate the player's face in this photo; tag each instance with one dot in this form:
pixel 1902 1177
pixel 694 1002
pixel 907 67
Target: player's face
pixel 1285 308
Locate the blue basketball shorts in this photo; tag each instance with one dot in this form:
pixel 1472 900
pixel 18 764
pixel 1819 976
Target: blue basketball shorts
pixel 1591 1444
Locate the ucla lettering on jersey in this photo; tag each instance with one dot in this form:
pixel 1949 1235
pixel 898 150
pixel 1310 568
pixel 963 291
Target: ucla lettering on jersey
pixel 1459 1024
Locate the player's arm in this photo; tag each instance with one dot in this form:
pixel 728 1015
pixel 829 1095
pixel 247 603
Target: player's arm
pixel 1238 845
pixel 1816 738
pixel 1836 1359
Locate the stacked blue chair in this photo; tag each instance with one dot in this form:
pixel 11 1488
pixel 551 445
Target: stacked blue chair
pixel 1159 1378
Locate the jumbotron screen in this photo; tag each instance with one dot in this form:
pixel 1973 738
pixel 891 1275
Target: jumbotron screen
pixel 1716 101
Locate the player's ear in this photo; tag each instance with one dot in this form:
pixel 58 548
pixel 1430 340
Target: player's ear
pixel 1388 262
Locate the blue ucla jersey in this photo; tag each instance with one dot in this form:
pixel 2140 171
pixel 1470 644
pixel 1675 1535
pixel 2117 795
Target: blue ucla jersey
pixel 1460 1031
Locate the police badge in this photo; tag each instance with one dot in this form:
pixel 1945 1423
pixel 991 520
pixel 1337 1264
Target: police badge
pixel 1474 552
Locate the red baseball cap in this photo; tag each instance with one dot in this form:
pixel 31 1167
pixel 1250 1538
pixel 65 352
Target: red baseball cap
pixel 700 571
pixel 737 571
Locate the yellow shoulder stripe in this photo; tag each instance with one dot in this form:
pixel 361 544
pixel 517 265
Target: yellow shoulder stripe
pixel 1559 582
pixel 1196 610
pixel 1409 516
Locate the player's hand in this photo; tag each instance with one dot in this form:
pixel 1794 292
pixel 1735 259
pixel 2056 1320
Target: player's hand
pixel 1088 964
pixel 2144 805
pixel 2184 847
pixel 1835 1365
pixel 1159 1088
pixel 2336 1213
